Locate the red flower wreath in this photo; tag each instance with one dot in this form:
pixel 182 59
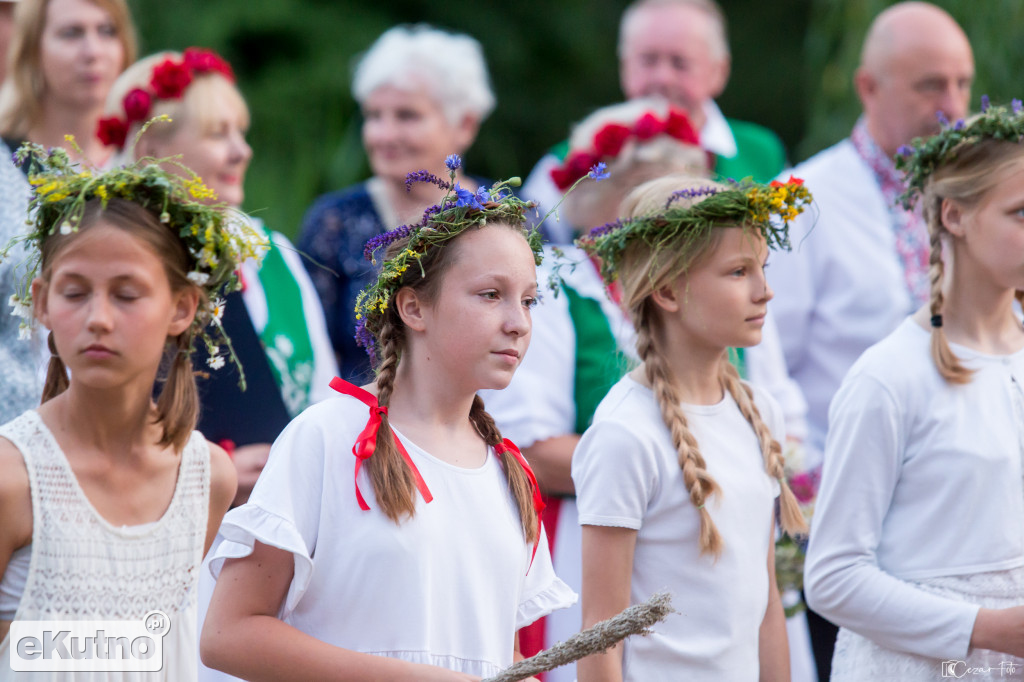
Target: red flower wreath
pixel 170 79
pixel 610 139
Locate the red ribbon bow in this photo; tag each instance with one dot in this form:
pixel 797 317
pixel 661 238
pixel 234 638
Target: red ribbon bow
pixel 538 503
pixel 366 442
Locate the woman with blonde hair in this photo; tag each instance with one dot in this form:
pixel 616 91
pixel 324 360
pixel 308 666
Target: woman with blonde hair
pixel 64 57
pixel 275 321
pixel 677 477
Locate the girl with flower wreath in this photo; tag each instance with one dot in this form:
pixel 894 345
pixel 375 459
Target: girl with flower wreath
pixel 275 321
pixel 584 343
pixel 109 499
pixel 428 576
pixel 917 551
pixel 677 477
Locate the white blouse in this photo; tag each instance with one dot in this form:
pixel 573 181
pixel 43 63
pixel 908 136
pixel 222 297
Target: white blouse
pixel 448 587
pixel 921 479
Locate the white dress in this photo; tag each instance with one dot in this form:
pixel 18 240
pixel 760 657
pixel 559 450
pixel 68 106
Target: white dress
pixel 84 568
pixel 627 475
pixel 448 587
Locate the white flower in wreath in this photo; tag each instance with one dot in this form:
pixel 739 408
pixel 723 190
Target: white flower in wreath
pixel 215 361
pixel 198 278
pixel 217 309
pixel 19 308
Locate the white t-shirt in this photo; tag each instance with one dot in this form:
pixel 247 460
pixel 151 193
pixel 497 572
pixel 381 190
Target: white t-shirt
pixel 627 474
pixel 921 479
pixel 448 587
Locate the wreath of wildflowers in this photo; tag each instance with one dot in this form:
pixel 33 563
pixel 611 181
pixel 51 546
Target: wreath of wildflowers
pixel 768 208
pixel 217 238
pixel 924 156
pixel 459 210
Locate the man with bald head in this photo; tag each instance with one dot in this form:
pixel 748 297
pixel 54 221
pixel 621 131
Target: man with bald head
pixel 860 262
pixel 678 50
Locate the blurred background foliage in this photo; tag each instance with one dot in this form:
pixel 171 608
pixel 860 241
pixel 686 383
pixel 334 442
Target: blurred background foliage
pixel 551 63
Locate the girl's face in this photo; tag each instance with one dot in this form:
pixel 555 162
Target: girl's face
pixel 722 301
pixel 110 307
pixel 478 328
pixel 990 236
pixel 80 52
pixel 406 131
pixel 213 146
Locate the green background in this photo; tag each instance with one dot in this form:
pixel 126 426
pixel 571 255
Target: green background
pixel 551 63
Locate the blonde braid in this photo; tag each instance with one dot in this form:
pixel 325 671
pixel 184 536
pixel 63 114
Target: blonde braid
pixel 790 517
pixel 945 359
pixel 518 483
pixel 393 483
pixel 695 475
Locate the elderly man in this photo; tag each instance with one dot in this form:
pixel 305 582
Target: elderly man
pixel 677 49
pixel 860 265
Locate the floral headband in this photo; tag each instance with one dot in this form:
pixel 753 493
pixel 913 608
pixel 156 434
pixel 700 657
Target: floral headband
pixel 218 240
pixel 923 156
pixel 609 141
pixel 169 80
pixel 459 210
pixel 746 203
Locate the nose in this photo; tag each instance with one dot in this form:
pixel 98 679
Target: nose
pixel 100 317
pixel 762 291
pixel 954 100
pixel 241 152
pixel 518 321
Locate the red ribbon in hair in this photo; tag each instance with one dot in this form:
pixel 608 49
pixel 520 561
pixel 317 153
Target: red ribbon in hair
pixel 538 503
pixel 366 442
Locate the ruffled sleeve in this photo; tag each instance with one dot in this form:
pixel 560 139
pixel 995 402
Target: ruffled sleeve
pixel 284 509
pixel 543 592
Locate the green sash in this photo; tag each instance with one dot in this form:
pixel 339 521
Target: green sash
pixel 285 339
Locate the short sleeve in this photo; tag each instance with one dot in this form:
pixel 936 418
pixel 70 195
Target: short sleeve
pixel 284 508
pixel 616 476
pixel 543 592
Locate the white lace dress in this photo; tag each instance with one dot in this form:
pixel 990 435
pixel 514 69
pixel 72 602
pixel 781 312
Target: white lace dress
pixel 858 658
pixel 84 568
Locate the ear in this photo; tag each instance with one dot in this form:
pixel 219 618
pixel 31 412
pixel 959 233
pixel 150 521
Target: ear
pixel 953 217
pixel 667 297
pixel 722 71
pixel 40 297
pixel 411 308
pixel 465 132
pixel 185 307
pixel 865 85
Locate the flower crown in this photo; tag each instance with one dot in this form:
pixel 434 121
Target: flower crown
pixel 459 210
pixel 746 203
pixel 218 239
pixel 920 159
pixel 169 80
pixel 609 141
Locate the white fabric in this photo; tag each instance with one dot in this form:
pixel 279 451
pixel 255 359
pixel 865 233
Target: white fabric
pixel 325 364
pixel 448 587
pixel 715 136
pixel 922 479
pixel 84 568
pixel 627 475
pixel 841 288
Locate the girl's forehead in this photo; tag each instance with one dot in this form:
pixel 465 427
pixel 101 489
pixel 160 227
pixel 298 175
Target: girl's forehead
pixel 104 247
pixel 496 249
